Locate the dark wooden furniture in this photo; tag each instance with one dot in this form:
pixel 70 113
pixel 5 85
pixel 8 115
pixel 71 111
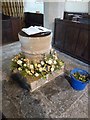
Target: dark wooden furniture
pixel 76 16
pixel 72 15
pixel 10 29
pixel 73 39
pixel 32 19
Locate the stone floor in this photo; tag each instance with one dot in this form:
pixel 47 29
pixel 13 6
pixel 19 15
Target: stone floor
pixel 54 100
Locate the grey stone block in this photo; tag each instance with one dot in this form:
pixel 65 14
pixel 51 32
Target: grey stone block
pixel 35 84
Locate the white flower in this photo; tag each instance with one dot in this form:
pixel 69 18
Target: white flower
pixel 25 60
pixel 32 71
pixel 12 59
pixel 21 58
pixel 19 62
pixel 20 69
pixel 31 66
pixel 15 60
pixel 53 66
pixel 61 63
pixel 56 57
pixel 52 50
pixel 39 65
pixel 52 69
pixel 36 74
pixel 55 52
pixel 28 72
pixel 42 62
pixel 50 62
pixel 28 64
pixel 55 62
pixel 46 61
pixel 48 68
pixel 40 69
pixel 24 65
pixel 35 64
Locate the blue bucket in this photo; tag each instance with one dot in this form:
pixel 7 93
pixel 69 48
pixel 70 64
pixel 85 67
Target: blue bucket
pixel 77 84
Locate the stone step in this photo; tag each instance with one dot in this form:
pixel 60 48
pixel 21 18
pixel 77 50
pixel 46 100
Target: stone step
pixel 37 83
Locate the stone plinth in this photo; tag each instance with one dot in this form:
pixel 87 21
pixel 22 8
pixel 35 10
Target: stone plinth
pixel 35 83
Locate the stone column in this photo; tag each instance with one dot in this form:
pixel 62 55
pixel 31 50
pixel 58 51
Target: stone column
pixel 89 7
pixel 52 10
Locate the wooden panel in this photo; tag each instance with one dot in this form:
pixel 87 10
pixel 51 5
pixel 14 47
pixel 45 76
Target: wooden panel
pixel 83 45
pixel 10 29
pixel 59 34
pixel 7 33
pixel 32 19
pixel 71 38
pixel 15 27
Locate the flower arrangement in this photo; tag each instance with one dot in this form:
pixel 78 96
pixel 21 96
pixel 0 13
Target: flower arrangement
pixel 47 65
pixel 81 77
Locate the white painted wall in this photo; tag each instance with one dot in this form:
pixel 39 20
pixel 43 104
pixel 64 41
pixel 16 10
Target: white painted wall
pixel 89 7
pixel 32 6
pixel 76 6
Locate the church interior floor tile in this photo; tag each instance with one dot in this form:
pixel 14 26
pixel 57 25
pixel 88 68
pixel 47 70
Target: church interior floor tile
pixel 53 100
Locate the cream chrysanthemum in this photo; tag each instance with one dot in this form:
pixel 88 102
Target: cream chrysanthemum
pixel 20 69
pixel 42 62
pixel 50 61
pixel 31 66
pixel 19 62
pixel 36 74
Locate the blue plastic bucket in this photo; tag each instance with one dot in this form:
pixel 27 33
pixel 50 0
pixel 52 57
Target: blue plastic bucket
pixel 77 84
